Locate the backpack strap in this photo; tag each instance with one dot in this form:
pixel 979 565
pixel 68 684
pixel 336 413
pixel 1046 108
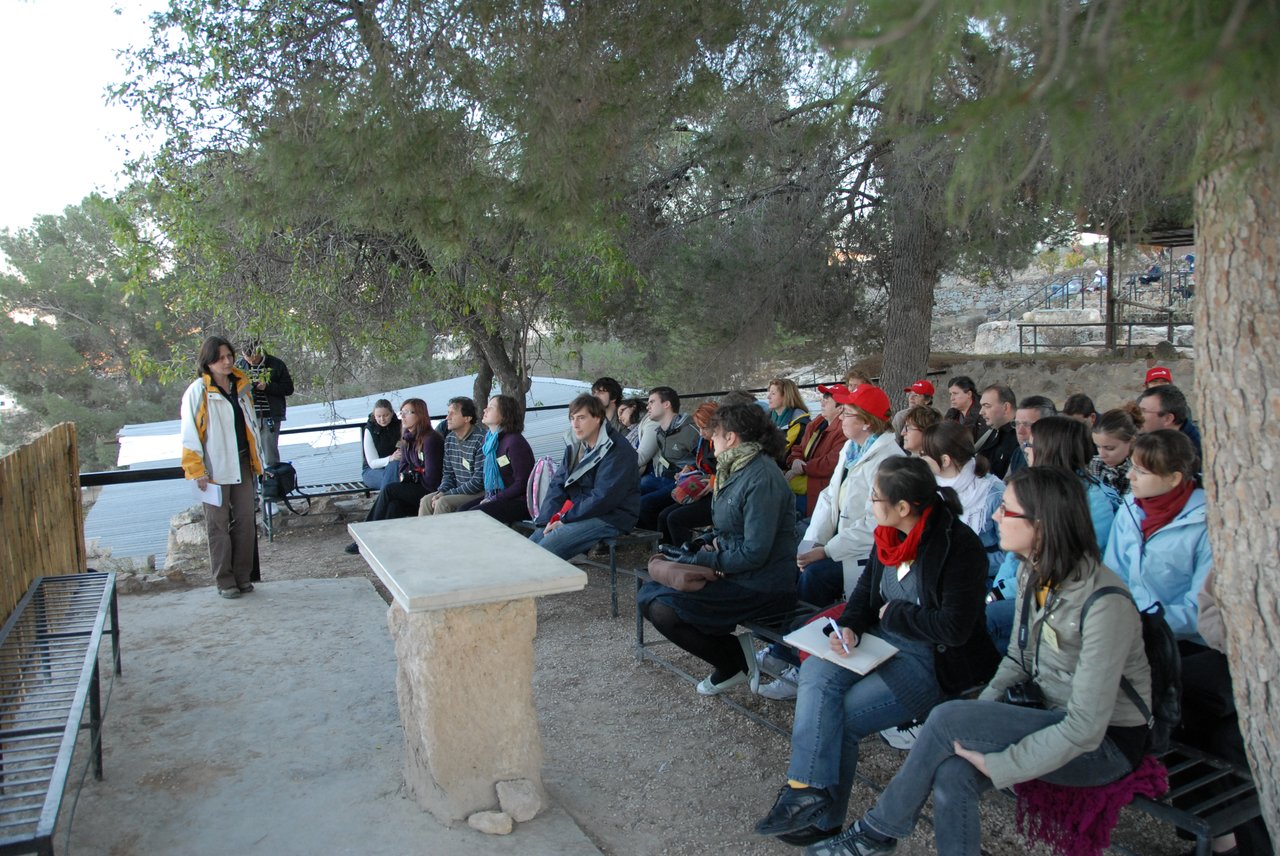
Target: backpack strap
pixel 1125 685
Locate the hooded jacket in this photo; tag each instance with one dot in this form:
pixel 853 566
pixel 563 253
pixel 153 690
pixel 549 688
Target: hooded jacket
pixel 208 422
pixel 1169 567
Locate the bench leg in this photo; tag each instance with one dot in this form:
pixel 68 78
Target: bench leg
pixel 115 631
pixel 95 722
pixel 613 579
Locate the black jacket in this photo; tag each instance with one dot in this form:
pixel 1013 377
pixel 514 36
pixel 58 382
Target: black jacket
pixel 1000 449
pixel 951 616
pixel 269 402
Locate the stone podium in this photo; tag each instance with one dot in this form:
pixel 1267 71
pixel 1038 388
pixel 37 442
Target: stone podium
pixel 463 621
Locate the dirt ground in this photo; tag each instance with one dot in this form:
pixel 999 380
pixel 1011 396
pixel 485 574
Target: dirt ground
pixel 643 763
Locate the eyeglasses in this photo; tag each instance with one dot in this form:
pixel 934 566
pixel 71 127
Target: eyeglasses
pixel 875 498
pixel 1004 511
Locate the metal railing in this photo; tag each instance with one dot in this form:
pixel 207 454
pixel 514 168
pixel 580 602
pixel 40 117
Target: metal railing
pixel 1035 346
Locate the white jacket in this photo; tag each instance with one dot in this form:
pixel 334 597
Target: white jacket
pixel 845 532
pixel 209 431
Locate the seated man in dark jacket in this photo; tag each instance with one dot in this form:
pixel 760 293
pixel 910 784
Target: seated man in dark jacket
pixel 999 443
pixel 595 491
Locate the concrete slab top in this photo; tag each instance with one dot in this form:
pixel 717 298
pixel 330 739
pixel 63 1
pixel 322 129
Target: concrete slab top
pixel 450 560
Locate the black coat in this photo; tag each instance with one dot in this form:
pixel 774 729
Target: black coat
pixel 1001 448
pixel 951 616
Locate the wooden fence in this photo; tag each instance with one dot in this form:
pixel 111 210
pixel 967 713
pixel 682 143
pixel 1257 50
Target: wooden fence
pixel 41 520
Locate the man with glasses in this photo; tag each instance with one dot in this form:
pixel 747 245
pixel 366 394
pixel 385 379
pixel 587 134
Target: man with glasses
pixel 1031 410
pixel 999 443
pixel 1166 407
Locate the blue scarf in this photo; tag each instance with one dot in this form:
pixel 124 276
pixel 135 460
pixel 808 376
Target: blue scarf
pixel 855 452
pixel 492 472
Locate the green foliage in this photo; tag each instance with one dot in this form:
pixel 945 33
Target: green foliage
pixel 94 310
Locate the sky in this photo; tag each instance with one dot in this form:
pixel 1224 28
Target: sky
pixel 61 141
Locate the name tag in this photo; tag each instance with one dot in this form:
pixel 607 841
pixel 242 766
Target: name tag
pixel 903 570
pixel 503 461
pixel 466 464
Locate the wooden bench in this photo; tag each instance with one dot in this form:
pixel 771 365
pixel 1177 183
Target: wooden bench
pixel 48 676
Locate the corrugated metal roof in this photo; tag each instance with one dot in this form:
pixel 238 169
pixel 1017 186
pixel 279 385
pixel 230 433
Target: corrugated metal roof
pixel 133 520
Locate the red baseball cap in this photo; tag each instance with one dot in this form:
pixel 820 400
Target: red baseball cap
pixel 920 387
pixel 870 398
pixel 1159 373
pixel 832 389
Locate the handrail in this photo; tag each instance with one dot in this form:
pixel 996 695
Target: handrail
pixel 1035 325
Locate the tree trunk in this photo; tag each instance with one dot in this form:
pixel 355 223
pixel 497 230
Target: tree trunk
pixel 913 199
pixel 1238 349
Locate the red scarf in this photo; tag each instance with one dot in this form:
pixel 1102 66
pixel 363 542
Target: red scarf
pixel 1163 508
pixel 893 548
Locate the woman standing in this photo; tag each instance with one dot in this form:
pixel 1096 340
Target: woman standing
pixel 220 447
pixel 419 462
pixel 508 462
pixel 381 434
pixel 969 747
pixel 752 555
pixel 922 592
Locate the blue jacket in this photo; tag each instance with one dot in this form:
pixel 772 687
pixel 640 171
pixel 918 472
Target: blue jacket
pixel 605 484
pixel 1170 567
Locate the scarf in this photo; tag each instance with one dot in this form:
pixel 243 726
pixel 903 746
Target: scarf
pixel 1163 508
pixel 893 548
pixel 1078 821
pixel 783 419
pixel 730 461
pixel 413 460
pixel 493 482
pixel 855 452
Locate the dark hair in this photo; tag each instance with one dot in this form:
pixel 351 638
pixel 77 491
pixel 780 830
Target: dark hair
pixel 510 417
pixel 956 441
pixel 423 427
pixel 253 346
pixel 610 386
pixel 1172 401
pixel 737 396
pixel 465 406
pixel 1038 402
pixel 1079 404
pixel 752 425
pixel 637 408
pixel 1165 452
pixel 1054 502
pixel 669 395
pixel 965 384
pixel 1004 394
pixel 385 404
pixel 209 352
pixel 1060 441
pixel 589 403
pixel 909 480
pixel 1118 423
pixel 921 416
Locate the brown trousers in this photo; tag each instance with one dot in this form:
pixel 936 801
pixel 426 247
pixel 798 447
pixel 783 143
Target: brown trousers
pixel 233 531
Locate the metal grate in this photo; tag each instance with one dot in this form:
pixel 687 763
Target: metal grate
pixel 48 675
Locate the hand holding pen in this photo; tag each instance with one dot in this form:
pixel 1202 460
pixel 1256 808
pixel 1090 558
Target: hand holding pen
pixel 838 641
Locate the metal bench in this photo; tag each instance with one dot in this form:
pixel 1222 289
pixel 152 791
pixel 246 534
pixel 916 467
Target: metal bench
pixel 644 537
pixel 48 674
pixel 308 492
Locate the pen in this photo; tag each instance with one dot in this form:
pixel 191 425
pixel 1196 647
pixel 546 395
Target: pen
pixel 835 628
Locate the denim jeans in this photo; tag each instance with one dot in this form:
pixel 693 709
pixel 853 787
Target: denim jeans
pixel 570 539
pixel 821 583
pixel 655 495
pixel 957 786
pixel 1000 622
pixel 835 709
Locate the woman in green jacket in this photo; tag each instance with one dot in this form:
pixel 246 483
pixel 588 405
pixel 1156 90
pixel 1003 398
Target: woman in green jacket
pixel 752 554
pixel 1086 731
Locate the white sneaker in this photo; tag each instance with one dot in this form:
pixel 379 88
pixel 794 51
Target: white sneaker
pixel 770 662
pixel 901 737
pixel 784 688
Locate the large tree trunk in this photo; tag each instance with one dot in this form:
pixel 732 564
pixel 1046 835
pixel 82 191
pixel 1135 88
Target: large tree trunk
pixel 913 199
pixel 1238 345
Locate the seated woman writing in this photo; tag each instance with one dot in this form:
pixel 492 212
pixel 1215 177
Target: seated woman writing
pixel 752 555
pixel 1085 731
pixel 922 592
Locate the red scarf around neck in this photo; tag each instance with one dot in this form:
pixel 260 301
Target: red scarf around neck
pixel 1163 508
pixel 893 548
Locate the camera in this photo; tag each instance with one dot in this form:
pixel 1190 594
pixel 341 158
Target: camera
pixel 1025 694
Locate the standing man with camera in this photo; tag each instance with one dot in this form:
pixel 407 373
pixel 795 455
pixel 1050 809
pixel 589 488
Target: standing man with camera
pixel 271 385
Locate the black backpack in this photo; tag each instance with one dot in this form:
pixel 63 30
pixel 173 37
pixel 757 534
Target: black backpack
pixel 1166 671
pixel 278 481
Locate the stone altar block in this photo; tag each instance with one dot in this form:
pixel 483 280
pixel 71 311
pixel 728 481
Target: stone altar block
pixel 463 621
